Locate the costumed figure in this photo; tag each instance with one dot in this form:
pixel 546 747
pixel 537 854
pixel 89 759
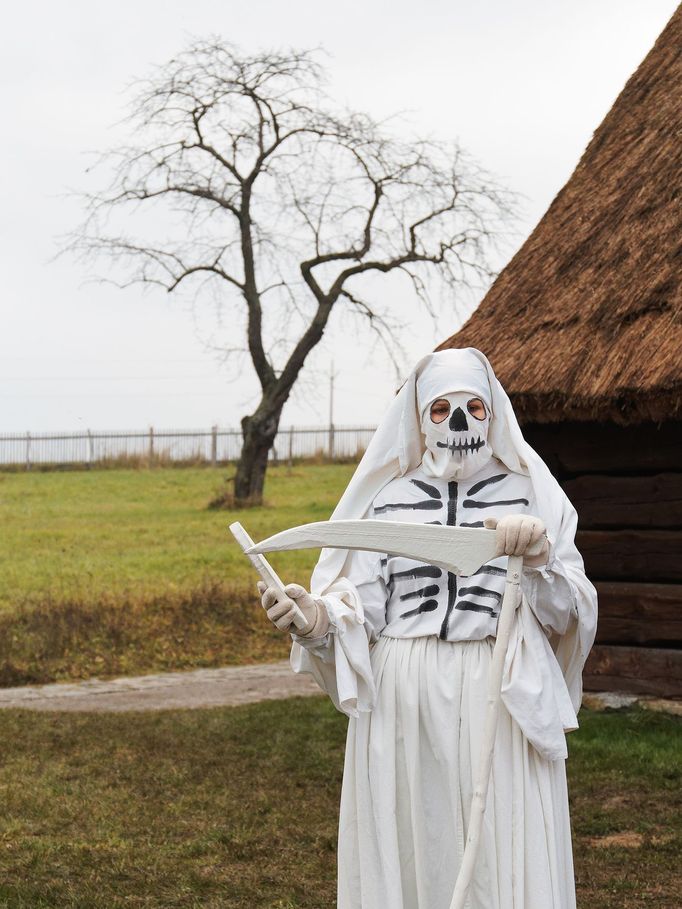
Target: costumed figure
pixel 404 649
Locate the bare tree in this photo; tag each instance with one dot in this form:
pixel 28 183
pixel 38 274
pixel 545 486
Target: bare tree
pixel 288 207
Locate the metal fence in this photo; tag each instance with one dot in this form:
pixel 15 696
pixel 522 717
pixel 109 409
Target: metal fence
pixel 156 446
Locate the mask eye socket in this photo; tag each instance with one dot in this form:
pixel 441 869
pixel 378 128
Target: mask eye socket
pixel 476 408
pixel 440 410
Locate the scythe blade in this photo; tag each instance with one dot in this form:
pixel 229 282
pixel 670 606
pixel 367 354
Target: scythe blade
pixel 461 550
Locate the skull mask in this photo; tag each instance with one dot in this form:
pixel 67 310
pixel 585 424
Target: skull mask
pixel 455 427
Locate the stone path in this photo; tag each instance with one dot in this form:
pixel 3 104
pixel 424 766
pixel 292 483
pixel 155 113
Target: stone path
pixel 226 687
pixel 170 690
pixel 614 700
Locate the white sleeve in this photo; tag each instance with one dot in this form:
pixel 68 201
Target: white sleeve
pixel 370 581
pixel 340 660
pixel 365 573
pixel 550 593
pixel 543 671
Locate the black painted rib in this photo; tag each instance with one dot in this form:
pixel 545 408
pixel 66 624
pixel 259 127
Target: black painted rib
pixel 473 524
pixel 428 489
pixel 427 606
pixel 427 505
pixel 480 592
pixel 491 569
pixel 419 571
pixel 472 503
pixel 430 591
pixel 468 606
pixel 483 483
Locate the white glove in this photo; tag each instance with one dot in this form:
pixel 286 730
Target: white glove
pixel 521 534
pixel 280 609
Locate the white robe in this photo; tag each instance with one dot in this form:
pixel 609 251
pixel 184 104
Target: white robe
pixel 417 706
pixel 408 780
pixel 416 702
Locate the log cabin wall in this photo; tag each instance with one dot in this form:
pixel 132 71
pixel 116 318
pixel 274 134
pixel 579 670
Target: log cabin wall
pixel 626 485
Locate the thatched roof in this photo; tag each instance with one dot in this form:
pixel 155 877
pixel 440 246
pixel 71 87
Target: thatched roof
pixel 585 321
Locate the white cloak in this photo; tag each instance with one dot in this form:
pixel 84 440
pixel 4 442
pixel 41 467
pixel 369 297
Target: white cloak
pixel 417 708
pixel 408 780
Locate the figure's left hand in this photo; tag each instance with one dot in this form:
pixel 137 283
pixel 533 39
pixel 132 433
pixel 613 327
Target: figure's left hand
pixel 521 534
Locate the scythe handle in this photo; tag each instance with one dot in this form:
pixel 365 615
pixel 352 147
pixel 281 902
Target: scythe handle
pixel 512 591
pixel 266 571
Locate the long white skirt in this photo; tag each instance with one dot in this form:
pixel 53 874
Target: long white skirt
pixel 408 780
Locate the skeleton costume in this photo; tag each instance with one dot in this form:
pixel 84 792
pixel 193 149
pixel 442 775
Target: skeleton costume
pixel 408 652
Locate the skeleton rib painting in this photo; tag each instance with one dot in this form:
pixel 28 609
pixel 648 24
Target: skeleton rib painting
pixel 404 648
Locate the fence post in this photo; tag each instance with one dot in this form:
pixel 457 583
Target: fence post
pixel 291 446
pixel 28 451
pixel 151 445
pixel 214 446
pixel 91 448
pixel 331 441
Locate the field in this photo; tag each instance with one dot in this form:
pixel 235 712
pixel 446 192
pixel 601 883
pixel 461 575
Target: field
pixel 237 808
pixel 110 572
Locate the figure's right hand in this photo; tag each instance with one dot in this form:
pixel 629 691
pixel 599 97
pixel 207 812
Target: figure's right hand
pixel 281 609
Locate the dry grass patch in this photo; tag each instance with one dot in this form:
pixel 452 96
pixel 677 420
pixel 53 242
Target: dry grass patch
pixel 627 840
pixel 210 625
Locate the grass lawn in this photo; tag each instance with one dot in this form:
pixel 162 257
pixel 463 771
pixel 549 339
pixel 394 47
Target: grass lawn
pixel 110 572
pixel 237 808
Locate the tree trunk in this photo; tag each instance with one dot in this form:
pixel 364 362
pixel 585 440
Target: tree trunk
pixel 259 433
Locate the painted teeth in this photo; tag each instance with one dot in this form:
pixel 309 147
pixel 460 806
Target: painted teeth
pixel 468 445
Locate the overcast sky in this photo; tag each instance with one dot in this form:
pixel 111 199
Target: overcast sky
pixel 521 85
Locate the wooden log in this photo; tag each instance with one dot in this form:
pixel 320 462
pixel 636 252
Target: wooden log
pixel 572 448
pixel 631 555
pixel 631 613
pixel 636 670
pixel 635 501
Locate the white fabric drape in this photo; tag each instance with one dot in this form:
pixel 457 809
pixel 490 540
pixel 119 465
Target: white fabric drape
pixel 408 781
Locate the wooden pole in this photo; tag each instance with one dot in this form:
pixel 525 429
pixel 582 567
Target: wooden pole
pixel 509 603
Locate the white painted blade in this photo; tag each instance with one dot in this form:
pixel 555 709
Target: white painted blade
pixel 461 550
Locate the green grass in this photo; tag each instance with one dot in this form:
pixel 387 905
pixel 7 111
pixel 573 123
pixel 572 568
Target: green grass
pixel 125 571
pixel 83 534
pixel 237 808
pixel 625 778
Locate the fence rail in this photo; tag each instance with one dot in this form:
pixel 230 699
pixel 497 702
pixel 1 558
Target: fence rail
pixel 213 446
